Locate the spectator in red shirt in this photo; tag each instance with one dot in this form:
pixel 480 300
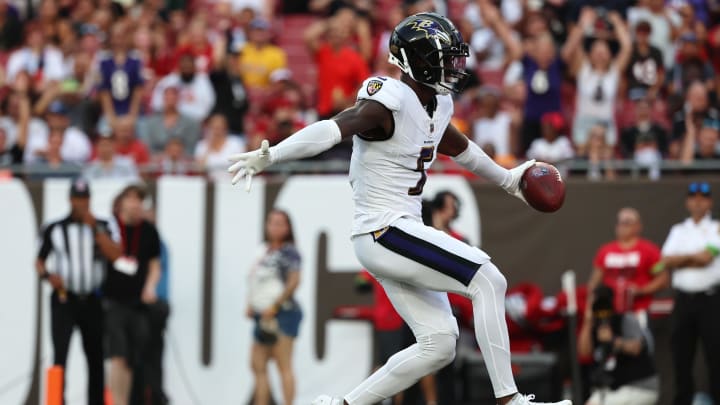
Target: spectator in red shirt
pixel 160 58
pixel 628 265
pixel 196 43
pixel 340 68
pixel 127 144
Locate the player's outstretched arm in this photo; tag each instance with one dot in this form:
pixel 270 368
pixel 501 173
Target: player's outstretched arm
pixel 366 116
pixel 468 154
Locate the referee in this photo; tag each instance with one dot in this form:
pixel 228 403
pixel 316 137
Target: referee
pixel 73 257
pixel 691 251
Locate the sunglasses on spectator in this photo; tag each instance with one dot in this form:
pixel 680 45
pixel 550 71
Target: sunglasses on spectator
pixel 701 188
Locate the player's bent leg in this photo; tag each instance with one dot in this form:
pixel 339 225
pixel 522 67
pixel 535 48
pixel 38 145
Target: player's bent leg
pixel 429 316
pixel 404 369
pixel 487 291
pixel 412 253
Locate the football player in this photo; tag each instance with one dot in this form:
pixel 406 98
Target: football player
pixel 399 126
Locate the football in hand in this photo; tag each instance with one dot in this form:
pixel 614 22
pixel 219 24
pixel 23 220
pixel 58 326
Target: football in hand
pixel 543 187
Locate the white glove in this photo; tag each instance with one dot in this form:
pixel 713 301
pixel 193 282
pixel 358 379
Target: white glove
pixel 513 185
pixel 250 163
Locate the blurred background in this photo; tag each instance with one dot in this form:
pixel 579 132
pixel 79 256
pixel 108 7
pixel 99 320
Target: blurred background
pixel 620 95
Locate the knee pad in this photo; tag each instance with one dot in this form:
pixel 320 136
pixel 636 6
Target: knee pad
pixel 488 279
pixel 437 349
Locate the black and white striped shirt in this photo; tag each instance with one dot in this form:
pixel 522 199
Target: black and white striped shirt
pixel 69 250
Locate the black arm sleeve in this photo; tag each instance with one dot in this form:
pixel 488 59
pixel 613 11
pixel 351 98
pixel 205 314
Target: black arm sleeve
pixel 46 243
pixel 153 242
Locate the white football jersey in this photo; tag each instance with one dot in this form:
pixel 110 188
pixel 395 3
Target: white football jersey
pixel 387 177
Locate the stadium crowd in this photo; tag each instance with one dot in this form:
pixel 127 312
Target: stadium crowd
pixel 135 89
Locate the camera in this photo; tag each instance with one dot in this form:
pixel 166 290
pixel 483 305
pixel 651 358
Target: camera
pixel 605 327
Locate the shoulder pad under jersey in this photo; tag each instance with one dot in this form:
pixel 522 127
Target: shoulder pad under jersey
pixel 386 91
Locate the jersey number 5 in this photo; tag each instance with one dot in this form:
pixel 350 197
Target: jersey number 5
pixel 426 155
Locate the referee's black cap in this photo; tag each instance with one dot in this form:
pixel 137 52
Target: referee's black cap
pixel 80 188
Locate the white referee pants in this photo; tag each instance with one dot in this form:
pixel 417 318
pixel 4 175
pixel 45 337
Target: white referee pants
pixel 417 265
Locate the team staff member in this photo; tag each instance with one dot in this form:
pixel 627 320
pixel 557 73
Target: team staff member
pixel 691 251
pixel 73 257
pixel 629 265
pixel 131 285
pixel 147 386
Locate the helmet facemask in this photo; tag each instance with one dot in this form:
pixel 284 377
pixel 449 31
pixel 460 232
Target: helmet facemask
pixel 452 70
pixel 440 65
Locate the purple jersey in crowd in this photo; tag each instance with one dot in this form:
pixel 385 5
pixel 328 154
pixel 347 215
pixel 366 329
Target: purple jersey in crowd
pixel 543 88
pixel 120 80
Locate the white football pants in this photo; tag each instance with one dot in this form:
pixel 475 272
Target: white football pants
pixel 417 265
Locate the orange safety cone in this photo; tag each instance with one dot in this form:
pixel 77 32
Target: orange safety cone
pixel 108 397
pixel 54 394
